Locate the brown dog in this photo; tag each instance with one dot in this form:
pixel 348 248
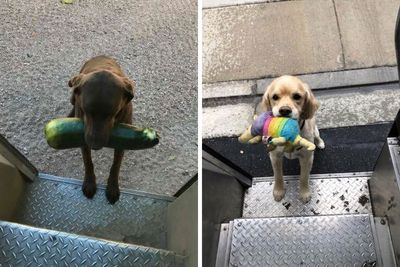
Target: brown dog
pixel 101 95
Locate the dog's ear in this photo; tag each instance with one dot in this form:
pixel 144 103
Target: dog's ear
pixel 310 105
pixel 76 80
pixel 130 86
pixel 75 83
pixel 266 103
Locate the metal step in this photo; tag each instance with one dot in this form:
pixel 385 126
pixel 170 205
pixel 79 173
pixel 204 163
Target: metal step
pixel 341 240
pixel 58 204
pixel 331 194
pixel 26 246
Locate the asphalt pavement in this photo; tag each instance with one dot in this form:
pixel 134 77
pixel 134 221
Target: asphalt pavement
pixel 44 43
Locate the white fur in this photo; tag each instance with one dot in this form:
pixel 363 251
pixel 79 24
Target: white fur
pixel 309 132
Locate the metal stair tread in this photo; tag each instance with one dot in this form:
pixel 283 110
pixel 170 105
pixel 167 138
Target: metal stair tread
pixel 334 194
pixel 340 240
pixel 22 245
pixel 58 204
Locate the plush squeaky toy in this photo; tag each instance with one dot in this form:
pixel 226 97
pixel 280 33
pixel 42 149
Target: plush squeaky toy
pixel 275 131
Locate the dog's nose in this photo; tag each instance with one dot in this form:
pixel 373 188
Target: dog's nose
pixel 285 111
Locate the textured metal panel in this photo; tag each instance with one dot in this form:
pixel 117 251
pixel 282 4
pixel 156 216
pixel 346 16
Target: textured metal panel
pixel 27 246
pixel 60 205
pixel 384 187
pixel 317 176
pixel 329 196
pixel 304 241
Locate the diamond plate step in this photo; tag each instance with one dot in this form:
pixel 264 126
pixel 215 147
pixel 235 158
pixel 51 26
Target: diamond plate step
pixel 58 204
pixel 341 240
pixel 336 195
pixel 26 246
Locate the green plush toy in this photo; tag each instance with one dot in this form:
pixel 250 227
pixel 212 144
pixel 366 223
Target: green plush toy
pixel 69 133
pixel 280 131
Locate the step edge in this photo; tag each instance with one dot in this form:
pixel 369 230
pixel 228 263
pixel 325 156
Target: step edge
pixel 317 176
pixel 304 216
pixel 223 245
pixel 383 241
pixel 77 236
pixel 128 191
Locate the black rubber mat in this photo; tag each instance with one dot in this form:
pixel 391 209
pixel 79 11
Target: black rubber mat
pixel 348 149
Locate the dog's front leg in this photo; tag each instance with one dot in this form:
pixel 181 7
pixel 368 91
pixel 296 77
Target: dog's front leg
pixel 318 140
pixel 306 162
pixel 112 191
pixel 89 182
pixel 279 187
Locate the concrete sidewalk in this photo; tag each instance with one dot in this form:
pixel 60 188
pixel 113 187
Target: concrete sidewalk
pixel 330 44
pixel 260 40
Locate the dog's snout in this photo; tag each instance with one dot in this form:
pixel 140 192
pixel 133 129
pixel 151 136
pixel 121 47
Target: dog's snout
pixel 96 140
pixel 95 143
pixel 285 111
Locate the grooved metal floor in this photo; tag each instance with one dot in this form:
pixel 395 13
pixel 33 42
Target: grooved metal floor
pixel 341 240
pixel 329 196
pixel 58 204
pixel 23 246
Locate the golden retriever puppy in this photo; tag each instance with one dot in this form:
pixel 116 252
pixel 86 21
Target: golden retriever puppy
pixel 288 96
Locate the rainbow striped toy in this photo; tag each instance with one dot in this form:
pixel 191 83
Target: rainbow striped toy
pixel 277 131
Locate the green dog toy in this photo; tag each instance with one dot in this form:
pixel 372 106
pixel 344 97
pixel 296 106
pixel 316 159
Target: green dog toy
pixel 69 133
pixel 277 131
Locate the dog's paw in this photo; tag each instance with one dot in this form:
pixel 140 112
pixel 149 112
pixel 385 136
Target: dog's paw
pixel 89 189
pixel 305 196
pixel 112 193
pixel 279 194
pixel 320 143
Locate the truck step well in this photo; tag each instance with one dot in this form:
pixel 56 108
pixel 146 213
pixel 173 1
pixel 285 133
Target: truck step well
pixel 58 204
pixel 336 228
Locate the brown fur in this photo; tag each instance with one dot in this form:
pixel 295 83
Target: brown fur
pixel 101 96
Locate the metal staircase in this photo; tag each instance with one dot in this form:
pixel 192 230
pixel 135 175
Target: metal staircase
pixel 46 221
pixel 335 228
pixel 22 245
pixel 353 219
pixel 55 225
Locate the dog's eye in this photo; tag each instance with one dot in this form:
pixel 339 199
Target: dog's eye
pixel 296 96
pixel 275 97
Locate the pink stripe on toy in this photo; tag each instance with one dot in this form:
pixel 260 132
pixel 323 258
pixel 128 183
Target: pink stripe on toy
pixel 266 125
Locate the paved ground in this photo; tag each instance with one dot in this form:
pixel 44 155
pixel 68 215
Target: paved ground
pixel 44 43
pixel 330 44
pixel 260 40
pixel 222 3
pixel 350 107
